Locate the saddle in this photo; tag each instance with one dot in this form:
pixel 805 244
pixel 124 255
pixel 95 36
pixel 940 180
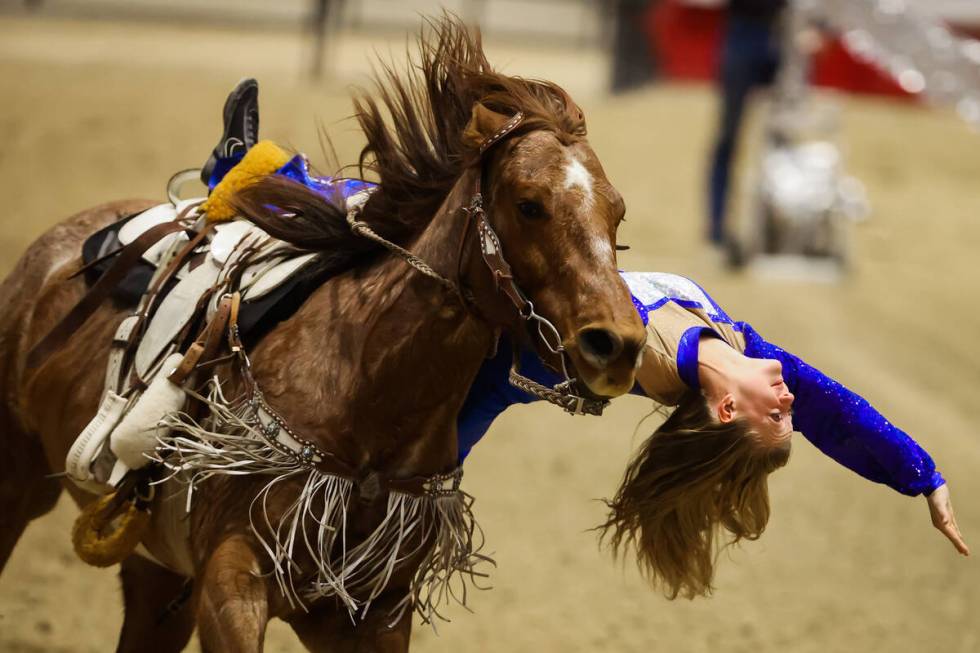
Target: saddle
pixel 191 288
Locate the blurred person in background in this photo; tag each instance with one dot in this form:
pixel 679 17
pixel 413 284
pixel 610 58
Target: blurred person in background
pixel 750 57
pixel 633 62
pixel 324 18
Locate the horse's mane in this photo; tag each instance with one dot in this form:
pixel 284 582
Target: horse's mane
pixel 420 152
pixel 417 152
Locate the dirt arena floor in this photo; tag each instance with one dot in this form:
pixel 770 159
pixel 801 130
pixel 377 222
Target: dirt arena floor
pixel 97 111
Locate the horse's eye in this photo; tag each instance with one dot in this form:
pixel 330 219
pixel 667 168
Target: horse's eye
pixel 531 210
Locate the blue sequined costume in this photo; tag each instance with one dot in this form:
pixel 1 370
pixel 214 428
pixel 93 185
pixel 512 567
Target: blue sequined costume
pixel 836 420
pixel 676 311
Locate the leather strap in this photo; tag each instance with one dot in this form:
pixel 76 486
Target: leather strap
pixel 149 299
pixel 215 334
pixel 432 486
pixel 117 353
pixel 187 364
pixel 206 345
pixel 128 257
pixel 164 269
pixel 175 263
pixel 501 133
pixel 489 243
pixel 503 277
pixel 234 343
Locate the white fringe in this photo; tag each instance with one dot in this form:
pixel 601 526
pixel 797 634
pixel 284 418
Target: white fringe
pixel 438 530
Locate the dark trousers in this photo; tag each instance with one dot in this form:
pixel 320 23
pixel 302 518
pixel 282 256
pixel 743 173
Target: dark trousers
pixel 633 63
pixel 749 59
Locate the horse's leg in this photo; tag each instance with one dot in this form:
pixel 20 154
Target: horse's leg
pixel 26 489
pixel 233 608
pixel 328 628
pixel 33 297
pixel 158 617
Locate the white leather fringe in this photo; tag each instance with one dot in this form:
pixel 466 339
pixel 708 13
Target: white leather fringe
pixel 312 552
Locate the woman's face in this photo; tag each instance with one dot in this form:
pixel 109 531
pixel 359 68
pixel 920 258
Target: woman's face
pixel 760 396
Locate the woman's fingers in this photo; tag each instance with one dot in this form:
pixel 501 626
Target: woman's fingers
pixel 952 531
pixel 943 518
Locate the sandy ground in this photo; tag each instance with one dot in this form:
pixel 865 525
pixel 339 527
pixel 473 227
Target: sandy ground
pixel 97 111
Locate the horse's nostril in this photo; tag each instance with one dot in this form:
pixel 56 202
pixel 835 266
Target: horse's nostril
pixel 600 343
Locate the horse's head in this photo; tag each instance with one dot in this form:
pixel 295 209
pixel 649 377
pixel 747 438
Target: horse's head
pixel 556 214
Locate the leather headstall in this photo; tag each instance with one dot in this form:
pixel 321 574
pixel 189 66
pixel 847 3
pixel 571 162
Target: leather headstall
pixel 503 278
pixel 490 248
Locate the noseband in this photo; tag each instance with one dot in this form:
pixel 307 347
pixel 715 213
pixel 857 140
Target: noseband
pixel 561 394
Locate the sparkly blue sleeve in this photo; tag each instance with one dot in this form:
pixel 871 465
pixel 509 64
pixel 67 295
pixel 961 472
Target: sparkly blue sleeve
pixel 843 425
pixel 491 394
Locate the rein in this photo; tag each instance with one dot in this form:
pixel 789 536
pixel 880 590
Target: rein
pixel 490 249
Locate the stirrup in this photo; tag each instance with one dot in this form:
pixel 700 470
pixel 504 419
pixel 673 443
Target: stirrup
pixel 241 125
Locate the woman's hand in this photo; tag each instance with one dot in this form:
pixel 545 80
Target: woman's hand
pixel 941 511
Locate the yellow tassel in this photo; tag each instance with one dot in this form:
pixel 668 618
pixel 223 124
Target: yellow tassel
pixel 263 159
pixel 102 539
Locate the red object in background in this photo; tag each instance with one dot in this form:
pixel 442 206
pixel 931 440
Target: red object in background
pixel 834 67
pixel 687 39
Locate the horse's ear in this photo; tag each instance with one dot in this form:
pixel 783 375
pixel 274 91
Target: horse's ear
pixel 483 124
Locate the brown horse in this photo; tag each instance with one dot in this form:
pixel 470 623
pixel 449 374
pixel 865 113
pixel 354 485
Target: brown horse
pixel 373 367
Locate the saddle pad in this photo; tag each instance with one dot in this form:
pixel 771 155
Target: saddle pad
pixel 264 309
pixel 173 314
pixel 258 317
pixel 180 206
pixel 128 291
pixel 146 220
pixel 227 236
pixel 234 241
pixel 271 277
pixel 142 222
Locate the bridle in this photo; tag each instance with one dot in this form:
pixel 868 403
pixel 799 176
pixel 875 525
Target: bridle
pixel 562 394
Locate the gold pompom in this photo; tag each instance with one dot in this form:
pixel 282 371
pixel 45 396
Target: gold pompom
pixel 263 159
pixel 104 536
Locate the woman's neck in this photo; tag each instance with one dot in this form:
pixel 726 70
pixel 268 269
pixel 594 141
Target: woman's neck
pixel 719 365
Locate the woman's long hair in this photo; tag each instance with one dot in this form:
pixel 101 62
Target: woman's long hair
pixel 692 478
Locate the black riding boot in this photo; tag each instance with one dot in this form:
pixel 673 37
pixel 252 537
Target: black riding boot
pixel 241 119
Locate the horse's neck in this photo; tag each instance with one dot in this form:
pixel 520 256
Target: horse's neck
pixel 376 364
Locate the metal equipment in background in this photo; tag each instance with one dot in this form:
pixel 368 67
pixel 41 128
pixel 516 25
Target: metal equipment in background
pixel 801 203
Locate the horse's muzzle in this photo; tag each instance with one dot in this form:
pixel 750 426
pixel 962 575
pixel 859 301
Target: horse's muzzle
pixel 611 355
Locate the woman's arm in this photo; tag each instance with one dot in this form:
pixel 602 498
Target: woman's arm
pixel 491 393
pixel 843 425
